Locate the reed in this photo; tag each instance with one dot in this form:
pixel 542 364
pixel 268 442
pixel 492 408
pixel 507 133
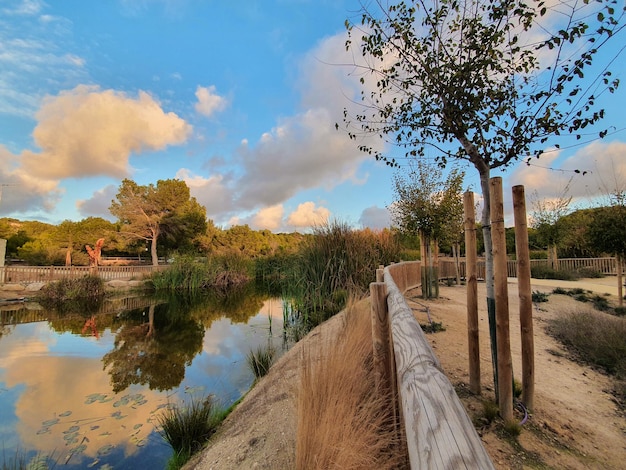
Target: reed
pixel 261 360
pixel 343 421
pixel 79 294
pixel 187 427
pixel 191 274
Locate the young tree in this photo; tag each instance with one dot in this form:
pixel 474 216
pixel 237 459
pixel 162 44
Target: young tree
pixel 151 212
pixel 430 206
pixel 548 218
pixel 482 81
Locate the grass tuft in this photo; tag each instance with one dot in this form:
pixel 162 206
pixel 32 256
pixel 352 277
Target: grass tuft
pixel 343 421
pixel 187 427
pixel 261 360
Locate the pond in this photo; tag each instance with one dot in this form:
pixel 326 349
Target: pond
pixel 83 390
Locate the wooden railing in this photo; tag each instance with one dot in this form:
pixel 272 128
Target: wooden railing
pixel 606 266
pixel 439 433
pixel 29 274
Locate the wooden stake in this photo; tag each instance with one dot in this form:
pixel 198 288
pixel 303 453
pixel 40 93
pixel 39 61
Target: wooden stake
pixel 380 336
pixel 472 292
pixel 503 340
pixel 525 297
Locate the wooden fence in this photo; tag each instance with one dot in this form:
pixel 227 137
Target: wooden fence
pixel 29 274
pixel 439 433
pixel 607 266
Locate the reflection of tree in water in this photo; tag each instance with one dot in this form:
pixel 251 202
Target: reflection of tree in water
pixel 155 352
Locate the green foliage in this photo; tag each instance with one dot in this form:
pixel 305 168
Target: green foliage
pixel 261 360
pixel 432 327
pixel 490 411
pixel 338 260
pixel 607 230
pixel 538 297
pixel 157 212
pixel 187 427
pixel 84 293
pixel 188 273
pixel 546 272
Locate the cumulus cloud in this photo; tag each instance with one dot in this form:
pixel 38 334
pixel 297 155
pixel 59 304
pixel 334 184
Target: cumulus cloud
pixel 215 192
pixel 375 217
pixel 87 131
pixel 22 192
pixel 209 102
pixel 268 218
pixel 601 166
pixel 307 215
pixel 98 204
pixel 303 152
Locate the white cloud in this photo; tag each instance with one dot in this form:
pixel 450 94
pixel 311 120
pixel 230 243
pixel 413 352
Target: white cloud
pixel 98 204
pixel 304 151
pixel 209 102
pixel 268 218
pixel 307 216
pixel 86 132
pixel 214 193
pixel 375 217
pixel 22 192
pixel 602 168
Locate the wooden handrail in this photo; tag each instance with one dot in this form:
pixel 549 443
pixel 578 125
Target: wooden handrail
pixel 439 433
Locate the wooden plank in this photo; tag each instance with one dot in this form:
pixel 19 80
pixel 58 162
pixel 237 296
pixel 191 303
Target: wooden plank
pixel 439 433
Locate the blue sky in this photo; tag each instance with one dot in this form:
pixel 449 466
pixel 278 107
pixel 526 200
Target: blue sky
pixel 239 99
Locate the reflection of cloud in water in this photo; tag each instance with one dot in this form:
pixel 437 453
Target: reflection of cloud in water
pixel 15 346
pixel 80 411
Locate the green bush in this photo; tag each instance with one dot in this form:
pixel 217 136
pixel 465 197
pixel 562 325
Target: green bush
pixel 546 272
pixel 538 297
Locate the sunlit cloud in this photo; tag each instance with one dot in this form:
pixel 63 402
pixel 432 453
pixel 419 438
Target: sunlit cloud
pixel 87 132
pixel 590 175
pixel 209 102
pixel 307 215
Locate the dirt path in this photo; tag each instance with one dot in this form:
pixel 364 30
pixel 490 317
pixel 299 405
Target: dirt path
pixel 576 423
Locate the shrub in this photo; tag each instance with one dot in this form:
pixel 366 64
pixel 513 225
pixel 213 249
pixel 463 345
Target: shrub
pixel 546 272
pixel 85 293
pixel 596 338
pixel 538 297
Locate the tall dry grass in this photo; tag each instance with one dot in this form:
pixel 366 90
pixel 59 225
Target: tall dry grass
pixel 342 421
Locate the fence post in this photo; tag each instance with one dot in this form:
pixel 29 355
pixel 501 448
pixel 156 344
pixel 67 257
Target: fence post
pixel 472 292
pixel 380 336
pixel 503 340
pixel 525 296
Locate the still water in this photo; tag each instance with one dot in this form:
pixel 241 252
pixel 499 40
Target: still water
pixel 83 389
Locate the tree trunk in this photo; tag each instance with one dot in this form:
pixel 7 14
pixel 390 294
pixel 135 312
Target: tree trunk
pixel 489 279
pixel 153 247
pixel 553 258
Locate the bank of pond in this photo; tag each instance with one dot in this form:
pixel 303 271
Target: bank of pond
pixel 84 389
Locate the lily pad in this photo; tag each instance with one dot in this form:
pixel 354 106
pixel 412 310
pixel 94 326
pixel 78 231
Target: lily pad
pixel 50 422
pixel 104 450
pixel 43 431
pixel 79 449
pixel 65 414
pixel 71 429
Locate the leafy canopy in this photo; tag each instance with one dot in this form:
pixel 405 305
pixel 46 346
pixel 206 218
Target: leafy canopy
pixel 487 81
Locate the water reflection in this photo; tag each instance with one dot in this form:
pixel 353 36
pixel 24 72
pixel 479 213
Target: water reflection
pixel 86 388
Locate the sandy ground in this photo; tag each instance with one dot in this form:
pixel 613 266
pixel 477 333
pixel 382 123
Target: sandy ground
pixel 576 423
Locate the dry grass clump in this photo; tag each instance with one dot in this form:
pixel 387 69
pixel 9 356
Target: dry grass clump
pixel 343 422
